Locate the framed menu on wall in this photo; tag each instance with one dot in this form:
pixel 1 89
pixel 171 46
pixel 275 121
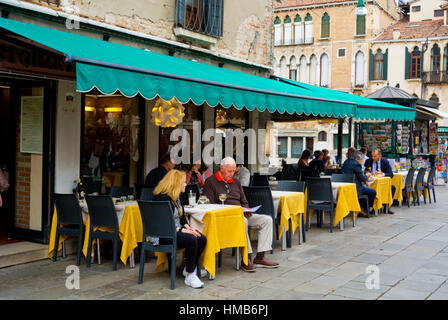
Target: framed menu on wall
pixel 31 124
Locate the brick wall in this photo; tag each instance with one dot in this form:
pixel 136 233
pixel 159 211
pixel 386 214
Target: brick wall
pixel 23 183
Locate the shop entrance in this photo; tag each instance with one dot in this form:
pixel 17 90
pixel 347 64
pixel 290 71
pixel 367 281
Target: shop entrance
pixel 25 128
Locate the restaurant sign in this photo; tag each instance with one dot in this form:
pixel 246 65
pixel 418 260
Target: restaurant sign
pixel 15 57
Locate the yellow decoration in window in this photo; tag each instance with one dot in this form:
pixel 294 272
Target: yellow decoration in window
pixel 167 114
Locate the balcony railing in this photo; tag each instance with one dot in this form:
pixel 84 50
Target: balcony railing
pixel 201 16
pixel 435 77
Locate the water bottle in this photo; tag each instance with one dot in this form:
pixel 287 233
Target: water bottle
pixel 191 198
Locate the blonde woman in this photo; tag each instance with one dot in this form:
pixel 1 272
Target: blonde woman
pixel 169 189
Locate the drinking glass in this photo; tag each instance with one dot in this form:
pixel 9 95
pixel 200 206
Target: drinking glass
pixel 222 197
pixel 123 198
pixel 202 199
pixel 131 197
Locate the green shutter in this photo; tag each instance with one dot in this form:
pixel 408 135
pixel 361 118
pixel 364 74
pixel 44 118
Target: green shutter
pixel 360 25
pixel 407 66
pixel 325 26
pixel 385 64
pixel 371 62
pixel 277 20
pixel 297 18
pixel 287 20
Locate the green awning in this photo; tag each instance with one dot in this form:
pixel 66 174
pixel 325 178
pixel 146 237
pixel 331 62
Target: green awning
pixel 110 67
pixel 367 109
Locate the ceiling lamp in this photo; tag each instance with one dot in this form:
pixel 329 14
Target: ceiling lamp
pixel 168 114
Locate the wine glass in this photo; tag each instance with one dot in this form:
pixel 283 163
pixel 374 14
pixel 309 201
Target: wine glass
pixel 202 199
pixel 222 197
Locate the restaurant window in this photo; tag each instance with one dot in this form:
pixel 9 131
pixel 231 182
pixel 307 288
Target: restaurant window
pixel 277 31
pixel 345 141
pixel 416 56
pixel 293 68
pixel 314 75
pixel 341 52
pixel 438 13
pixel 416 9
pixel 322 136
pixel 325 27
pixel 435 59
pixel 282 147
pixel 296 147
pixel 445 59
pixel 283 68
pixel 302 69
pixel 201 16
pixel 308 28
pixel 111 133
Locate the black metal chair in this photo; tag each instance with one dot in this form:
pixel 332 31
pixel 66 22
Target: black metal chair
pixel 343 177
pixel 409 186
pixel 259 181
pixel 68 214
pixel 305 173
pixel 102 214
pixel 419 185
pixel 259 195
pixel 146 193
pixel 91 185
pixel 138 188
pixel 289 172
pixel 288 185
pixel 319 190
pixel 429 184
pixel 158 221
pixel 119 191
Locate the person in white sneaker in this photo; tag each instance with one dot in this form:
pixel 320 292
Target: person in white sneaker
pixel 169 189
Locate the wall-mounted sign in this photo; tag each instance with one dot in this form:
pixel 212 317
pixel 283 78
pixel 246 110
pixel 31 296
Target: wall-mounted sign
pixel 31 124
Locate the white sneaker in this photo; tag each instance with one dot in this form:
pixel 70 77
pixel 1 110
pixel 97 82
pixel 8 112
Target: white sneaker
pixel 193 281
pixel 203 272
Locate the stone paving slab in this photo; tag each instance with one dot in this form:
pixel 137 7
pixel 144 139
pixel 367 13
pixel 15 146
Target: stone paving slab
pixel 409 248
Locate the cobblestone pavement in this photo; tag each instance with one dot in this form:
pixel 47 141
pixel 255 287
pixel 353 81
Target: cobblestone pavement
pixel 410 248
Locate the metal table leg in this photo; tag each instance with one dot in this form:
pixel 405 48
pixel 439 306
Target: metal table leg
pixel 63 249
pixel 354 218
pixel 98 248
pixel 237 259
pixel 132 260
pixel 341 224
pixel 284 238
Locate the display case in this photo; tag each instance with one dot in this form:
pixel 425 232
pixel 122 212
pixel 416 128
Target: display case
pixel 377 135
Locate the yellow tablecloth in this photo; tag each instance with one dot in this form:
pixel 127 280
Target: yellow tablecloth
pixel 347 202
pixel 382 186
pixel 290 207
pixel 223 228
pixel 54 222
pixel 398 182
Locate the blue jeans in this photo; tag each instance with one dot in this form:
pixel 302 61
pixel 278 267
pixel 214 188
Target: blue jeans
pixel 371 194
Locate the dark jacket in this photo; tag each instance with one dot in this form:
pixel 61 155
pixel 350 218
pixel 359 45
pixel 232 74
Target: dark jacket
pixel 317 165
pixel 385 166
pixel 164 197
pixel 154 176
pixel 352 166
pixel 213 187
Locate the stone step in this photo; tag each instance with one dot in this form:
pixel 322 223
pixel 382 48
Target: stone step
pixel 24 252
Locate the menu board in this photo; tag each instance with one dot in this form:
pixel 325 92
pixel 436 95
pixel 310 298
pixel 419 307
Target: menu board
pixel 377 135
pixel 402 135
pixel 433 138
pixel 31 124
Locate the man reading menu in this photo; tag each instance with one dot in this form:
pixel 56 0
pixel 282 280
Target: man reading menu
pixel 223 182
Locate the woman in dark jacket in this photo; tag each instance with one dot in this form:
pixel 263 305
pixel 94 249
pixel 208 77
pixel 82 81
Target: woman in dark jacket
pixel 169 189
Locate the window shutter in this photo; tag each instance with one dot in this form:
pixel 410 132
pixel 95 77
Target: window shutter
pixel 213 17
pixel 180 12
pixel 371 62
pixel 385 55
pixel 407 66
pixel 360 25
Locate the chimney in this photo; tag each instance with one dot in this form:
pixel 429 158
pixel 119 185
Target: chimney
pixel 396 34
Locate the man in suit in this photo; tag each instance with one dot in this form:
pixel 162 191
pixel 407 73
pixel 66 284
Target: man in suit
pixel 155 175
pixel 378 164
pixel 353 166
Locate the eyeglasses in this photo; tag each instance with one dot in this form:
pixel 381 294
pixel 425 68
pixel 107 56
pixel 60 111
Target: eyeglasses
pixel 227 188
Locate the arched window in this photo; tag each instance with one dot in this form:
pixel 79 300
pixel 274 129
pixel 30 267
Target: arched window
pixel 360 25
pixel 283 68
pixel 324 70
pixel 299 32
pixel 416 58
pixel 314 76
pixel 325 26
pixel 435 59
pixel 277 31
pixel 322 136
pixel 434 98
pixel 378 66
pixel 302 69
pixel 445 59
pixel 287 30
pixel 308 28
pixel 293 68
pixel 359 69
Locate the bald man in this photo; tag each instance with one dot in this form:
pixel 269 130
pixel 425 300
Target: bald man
pixel 223 182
